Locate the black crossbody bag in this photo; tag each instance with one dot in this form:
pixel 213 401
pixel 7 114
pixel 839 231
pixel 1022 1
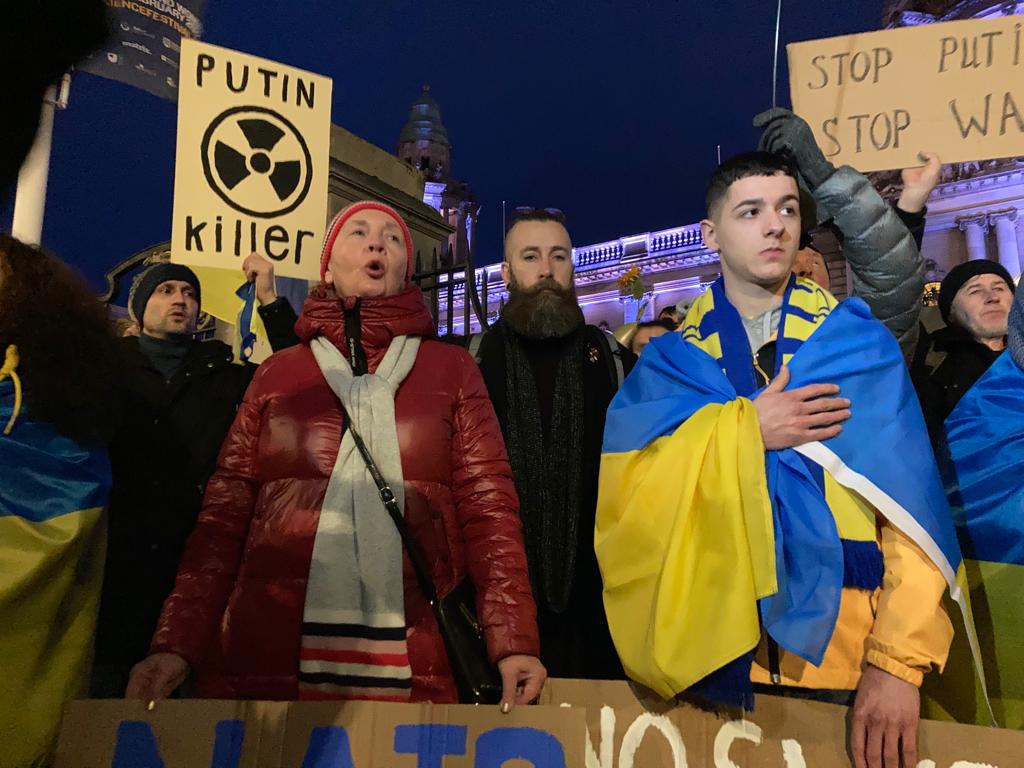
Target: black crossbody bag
pixel 476 679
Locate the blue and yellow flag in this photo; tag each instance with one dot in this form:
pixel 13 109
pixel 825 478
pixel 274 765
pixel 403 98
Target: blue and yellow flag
pixel 703 537
pixel 52 541
pixel 985 481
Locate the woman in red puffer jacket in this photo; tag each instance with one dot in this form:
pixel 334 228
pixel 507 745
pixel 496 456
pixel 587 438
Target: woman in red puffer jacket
pixel 294 583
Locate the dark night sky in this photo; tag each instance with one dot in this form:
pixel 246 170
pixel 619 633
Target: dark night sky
pixel 610 110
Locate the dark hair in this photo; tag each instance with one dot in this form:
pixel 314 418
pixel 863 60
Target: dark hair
pixel 70 358
pixel 526 213
pixel 741 167
pixel 662 323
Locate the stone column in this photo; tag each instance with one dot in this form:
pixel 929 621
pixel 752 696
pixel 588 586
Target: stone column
pixel 1005 223
pixel 975 228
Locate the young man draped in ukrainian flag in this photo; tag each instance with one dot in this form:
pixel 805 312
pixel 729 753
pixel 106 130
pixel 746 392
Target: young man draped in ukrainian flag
pixel 737 547
pixel 985 481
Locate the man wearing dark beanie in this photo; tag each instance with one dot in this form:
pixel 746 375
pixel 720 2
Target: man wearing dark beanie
pixel 974 300
pixel 180 399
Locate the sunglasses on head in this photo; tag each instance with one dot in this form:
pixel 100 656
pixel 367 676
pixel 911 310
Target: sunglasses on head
pixel 526 212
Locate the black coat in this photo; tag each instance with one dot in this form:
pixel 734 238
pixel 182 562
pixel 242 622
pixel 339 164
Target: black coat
pixel 961 362
pixel 162 458
pixel 577 642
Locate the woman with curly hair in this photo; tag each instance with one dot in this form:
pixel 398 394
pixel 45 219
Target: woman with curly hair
pixel 58 410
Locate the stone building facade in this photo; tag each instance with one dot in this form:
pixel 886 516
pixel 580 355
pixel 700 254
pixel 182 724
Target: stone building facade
pixel 424 145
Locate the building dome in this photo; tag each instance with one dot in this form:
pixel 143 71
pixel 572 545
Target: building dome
pixel 424 123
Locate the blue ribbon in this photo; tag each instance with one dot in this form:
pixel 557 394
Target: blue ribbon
pixel 247 339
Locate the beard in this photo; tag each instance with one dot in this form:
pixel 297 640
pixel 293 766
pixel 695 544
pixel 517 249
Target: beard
pixel 543 311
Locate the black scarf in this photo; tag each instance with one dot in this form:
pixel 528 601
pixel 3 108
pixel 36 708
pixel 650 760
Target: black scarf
pixel 547 463
pixel 166 355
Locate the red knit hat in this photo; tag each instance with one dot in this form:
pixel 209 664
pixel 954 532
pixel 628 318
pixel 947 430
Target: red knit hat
pixel 346 213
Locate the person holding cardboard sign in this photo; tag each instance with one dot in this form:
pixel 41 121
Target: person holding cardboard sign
pixel 749 529
pixel 293 585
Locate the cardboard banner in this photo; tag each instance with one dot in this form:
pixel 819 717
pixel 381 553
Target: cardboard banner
pixel 225 734
pixel 875 100
pixel 145 39
pixel 580 724
pixel 252 162
pixel 625 730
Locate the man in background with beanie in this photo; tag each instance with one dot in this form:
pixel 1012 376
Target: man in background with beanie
pixel 975 300
pixel 180 399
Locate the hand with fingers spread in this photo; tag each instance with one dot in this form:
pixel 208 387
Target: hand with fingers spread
pixel 919 182
pixel 798 416
pixel 261 271
pixel 522 677
pixel 886 714
pixel 156 677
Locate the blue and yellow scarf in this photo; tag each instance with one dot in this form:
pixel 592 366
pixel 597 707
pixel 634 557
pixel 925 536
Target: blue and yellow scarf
pixel 743 538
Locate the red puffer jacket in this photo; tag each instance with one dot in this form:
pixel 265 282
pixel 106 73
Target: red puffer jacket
pixel 236 610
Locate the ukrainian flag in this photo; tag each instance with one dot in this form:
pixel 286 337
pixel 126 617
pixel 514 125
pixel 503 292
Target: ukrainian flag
pixel 702 536
pixel 52 540
pixel 985 481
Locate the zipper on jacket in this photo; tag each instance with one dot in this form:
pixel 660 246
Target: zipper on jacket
pixel 353 336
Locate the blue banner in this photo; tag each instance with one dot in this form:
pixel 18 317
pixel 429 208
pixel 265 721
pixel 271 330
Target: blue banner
pixel 145 43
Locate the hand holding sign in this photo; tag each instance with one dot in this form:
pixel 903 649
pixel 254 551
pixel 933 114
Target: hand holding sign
pixel 260 271
pixel 919 182
pixel 522 677
pixel 156 677
pixel 885 718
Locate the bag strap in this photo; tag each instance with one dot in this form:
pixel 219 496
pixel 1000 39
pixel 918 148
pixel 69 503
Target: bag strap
pixel 474 346
pixel 387 497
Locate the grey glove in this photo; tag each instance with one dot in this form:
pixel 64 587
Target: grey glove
pixel 787 134
pixel 1015 335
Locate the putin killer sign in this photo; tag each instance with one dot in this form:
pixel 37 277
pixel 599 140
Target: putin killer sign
pixel 253 154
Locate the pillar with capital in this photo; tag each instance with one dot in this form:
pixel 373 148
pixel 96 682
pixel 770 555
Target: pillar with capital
pixel 975 228
pixel 1005 223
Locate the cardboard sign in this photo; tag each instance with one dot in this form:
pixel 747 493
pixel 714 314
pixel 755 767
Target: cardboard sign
pixel 252 162
pixel 625 730
pixel 877 99
pixel 225 734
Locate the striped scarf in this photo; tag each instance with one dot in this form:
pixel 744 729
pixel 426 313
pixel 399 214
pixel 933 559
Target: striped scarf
pixel 353 624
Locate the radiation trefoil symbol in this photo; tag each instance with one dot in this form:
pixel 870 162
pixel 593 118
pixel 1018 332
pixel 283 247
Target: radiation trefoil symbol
pixel 257 161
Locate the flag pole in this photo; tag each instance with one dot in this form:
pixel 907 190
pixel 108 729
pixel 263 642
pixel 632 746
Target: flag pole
pixel 30 197
pixel 775 58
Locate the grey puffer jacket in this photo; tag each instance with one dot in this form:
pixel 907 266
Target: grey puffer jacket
pixel 885 264
pixel 1015 335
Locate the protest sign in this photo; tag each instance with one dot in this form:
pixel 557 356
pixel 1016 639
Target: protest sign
pixel 252 162
pixel 875 100
pixel 580 724
pixel 225 734
pixel 145 38
pixel 626 729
